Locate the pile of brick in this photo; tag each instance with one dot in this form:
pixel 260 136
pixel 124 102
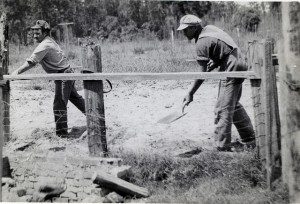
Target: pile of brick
pixel 35 177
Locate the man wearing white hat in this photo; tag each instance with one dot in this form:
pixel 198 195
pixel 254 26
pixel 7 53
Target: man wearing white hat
pixel 217 50
pixel 53 60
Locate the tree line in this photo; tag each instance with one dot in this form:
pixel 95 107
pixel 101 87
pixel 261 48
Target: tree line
pixel 125 20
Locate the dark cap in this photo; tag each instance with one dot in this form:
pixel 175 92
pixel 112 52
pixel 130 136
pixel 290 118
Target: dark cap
pixel 41 24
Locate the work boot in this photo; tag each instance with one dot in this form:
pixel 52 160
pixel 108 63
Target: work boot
pixel 238 146
pixel 250 144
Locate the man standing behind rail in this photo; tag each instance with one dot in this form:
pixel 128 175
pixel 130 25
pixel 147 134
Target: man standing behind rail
pixel 53 60
pixel 216 49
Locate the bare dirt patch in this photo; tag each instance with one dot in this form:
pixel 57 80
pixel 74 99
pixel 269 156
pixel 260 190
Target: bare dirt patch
pixel 132 110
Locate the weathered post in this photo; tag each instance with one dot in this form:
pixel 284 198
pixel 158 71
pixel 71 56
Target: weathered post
pixel 6 87
pixel 266 113
pixel 289 73
pixel 271 117
pixel 256 64
pixel 91 61
pixel 4 90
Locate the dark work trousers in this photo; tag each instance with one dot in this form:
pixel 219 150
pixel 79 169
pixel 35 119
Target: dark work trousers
pixel 229 110
pixel 65 91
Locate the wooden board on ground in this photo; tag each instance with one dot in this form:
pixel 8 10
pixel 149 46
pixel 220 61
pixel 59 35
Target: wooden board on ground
pixel 109 181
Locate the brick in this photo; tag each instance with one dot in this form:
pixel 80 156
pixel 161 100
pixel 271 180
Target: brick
pixel 96 191
pixel 86 182
pixel 33 179
pixel 26 198
pixel 30 191
pixel 18 191
pixel 56 159
pixel 81 195
pixel 70 175
pixel 87 175
pixel 74 189
pixel 68 194
pixel 21 192
pixel 27 184
pixel 74 161
pixel 73 182
pixel 93 199
pixel 52 166
pixel 18 173
pixel 8 181
pixel 87 190
pixel 74 200
pixel 113 197
pixel 60 200
pixel 21 178
pixel 40 158
pixel 45 173
pixel 90 162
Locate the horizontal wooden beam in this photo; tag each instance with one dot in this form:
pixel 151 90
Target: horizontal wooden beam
pixel 134 76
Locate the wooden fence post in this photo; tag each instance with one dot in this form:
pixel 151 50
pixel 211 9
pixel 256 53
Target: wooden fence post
pixel 272 121
pixel 266 113
pixel 4 90
pixel 6 87
pixel 91 61
pixel 289 73
pixel 256 64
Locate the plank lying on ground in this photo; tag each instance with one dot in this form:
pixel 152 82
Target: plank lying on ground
pixel 134 76
pixel 111 182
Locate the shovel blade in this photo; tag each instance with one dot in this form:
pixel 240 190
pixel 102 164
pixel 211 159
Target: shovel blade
pixel 171 117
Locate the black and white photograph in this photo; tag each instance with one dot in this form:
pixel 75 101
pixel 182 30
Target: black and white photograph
pixel 148 101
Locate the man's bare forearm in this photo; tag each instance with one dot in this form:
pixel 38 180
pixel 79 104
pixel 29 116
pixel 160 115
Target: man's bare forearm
pixel 24 67
pixel 195 86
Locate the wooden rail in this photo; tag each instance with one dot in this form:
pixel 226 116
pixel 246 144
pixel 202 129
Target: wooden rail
pixel 135 76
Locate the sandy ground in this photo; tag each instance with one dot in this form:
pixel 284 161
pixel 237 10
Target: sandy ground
pixel 132 110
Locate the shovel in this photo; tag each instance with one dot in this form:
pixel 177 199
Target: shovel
pixel 172 117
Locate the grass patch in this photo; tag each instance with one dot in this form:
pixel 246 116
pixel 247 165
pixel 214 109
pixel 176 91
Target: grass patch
pixel 210 177
pixel 138 50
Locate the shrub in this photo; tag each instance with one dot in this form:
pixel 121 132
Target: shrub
pixel 138 50
pixel 248 19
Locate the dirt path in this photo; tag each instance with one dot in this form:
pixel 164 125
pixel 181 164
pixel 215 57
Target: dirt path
pixel 132 111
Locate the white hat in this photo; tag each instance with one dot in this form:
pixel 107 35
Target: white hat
pixel 188 20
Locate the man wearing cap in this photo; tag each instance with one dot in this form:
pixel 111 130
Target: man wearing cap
pixel 216 50
pixel 53 60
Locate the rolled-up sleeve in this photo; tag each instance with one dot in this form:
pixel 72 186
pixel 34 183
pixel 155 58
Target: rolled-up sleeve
pixel 38 54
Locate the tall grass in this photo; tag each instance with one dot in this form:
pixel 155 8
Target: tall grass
pixel 269 27
pixel 154 55
pixel 209 177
